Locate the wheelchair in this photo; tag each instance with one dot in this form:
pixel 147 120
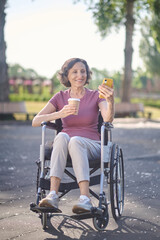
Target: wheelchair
pixel 111 172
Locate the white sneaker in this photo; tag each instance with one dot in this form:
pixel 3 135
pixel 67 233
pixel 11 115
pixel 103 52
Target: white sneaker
pixel 51 200
pixel 84 205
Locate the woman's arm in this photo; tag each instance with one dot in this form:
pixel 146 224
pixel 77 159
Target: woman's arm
pixel 107 107
pixel 48 113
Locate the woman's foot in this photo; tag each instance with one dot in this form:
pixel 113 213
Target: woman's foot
pixel 84 205
pixel 51 200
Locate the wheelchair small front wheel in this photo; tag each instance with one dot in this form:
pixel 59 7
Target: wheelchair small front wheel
pixel 101 222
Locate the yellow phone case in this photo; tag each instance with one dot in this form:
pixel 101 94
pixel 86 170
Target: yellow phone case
pixel 108 82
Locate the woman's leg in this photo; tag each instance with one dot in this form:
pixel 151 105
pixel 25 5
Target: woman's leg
pixel 84 188
pixel 81 149
pixel 54 184
pixel 58 164
pixel 58 160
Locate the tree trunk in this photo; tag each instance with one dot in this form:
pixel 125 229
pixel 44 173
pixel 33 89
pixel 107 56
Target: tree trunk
pixel 126 84
pixel 4 83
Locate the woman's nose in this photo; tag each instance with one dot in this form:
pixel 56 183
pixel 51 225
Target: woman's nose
pixel 80 74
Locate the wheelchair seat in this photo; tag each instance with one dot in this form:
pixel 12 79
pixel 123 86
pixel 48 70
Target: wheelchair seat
pixel 48 152
pixel 58 127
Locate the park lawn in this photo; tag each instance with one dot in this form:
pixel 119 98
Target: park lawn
pixel 34 107
pixel 155 112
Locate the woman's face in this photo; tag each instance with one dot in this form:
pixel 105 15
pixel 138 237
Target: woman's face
pixel 77 75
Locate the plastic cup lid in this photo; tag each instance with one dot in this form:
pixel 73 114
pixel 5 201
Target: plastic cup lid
pixel 74 99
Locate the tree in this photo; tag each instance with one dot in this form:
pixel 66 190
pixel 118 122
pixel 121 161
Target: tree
pixel 155 23
pixel 110 14
pixel 16 70
pixel 4 84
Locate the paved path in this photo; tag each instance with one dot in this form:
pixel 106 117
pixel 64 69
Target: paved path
pixel 19 148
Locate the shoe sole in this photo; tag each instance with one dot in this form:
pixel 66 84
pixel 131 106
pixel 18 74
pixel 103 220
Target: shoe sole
pixel 46 204
pixel 79 210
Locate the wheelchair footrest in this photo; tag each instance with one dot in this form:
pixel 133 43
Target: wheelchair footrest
pixel 93 213
pixel 37 209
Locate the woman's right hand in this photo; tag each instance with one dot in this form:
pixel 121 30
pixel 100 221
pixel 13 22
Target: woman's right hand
pixel 67 110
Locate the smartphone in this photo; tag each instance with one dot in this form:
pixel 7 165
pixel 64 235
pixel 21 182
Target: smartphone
pixel 108 82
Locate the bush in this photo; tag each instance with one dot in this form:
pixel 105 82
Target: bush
pixel 29 97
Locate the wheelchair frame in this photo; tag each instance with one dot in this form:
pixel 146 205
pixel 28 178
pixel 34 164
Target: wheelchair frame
pixel 111 167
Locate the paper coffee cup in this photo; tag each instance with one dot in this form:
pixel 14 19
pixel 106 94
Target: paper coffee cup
pixel 74 102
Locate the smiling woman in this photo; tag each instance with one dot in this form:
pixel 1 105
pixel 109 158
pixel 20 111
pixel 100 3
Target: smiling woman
pixel 80 130
pixel 63 73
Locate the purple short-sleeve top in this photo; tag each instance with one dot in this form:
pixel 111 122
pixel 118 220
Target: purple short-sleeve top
pixel 85 124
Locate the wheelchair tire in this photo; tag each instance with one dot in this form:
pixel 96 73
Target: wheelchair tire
pixel 38 176
pixel 116 182
pixel 101 222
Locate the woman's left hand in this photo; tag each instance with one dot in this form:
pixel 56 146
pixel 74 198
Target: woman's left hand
pixel 106 92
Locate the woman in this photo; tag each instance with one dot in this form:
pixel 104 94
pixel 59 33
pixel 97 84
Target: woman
pixel 79 137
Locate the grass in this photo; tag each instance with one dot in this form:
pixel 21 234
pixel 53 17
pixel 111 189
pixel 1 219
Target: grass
pixel 32 107
pixel 35 107
pixel 155 112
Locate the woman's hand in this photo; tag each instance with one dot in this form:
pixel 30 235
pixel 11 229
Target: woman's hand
pixel 106 92
pixel 67 110
pixel 107 107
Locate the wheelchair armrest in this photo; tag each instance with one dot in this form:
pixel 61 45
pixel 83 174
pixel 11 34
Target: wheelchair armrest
pixel 108 125
pixel 50 125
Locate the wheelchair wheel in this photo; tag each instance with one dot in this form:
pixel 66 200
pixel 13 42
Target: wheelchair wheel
pixel 117 182
pixel 101 222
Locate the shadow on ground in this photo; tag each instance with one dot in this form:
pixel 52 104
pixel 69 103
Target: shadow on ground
pixel 63 227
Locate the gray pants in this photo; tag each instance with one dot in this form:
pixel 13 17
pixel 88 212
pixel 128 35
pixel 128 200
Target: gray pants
pixel 80 149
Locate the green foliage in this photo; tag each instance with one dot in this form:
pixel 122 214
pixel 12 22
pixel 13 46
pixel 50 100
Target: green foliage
pixel 139 79
pixel 28 97
pixel 97 77
pixel 149 51
pixel 147 102
pixel 155 28
pixel 117 78
pixel 109 14
pixel 16 70
pixel 154 6
pixel 56 82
